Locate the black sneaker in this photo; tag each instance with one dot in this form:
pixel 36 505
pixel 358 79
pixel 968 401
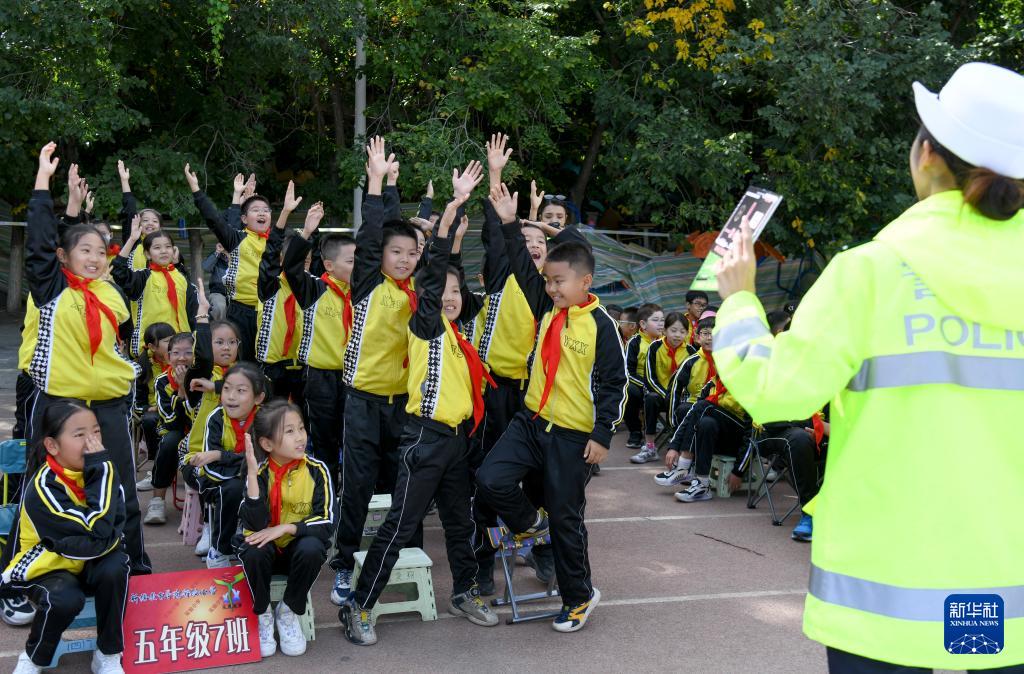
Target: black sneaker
pixel 485 576
pixel 541 559
pixel 635 441
pixel 573 618
pixel 17 611
pixel 356 624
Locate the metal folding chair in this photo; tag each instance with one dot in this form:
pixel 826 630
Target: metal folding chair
pixel 764 486
pixel 508 545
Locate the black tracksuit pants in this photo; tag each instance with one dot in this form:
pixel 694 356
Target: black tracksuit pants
pixel 432 466
pixel 797 449
pixel 300 560
pixel 654 405
pixel 149 422
pixel 59 596
pixel 558 455
pixel 286 378
pixel 115 418
pixel 166 459
pixel 325 413
pixel 369 465
pixel 244 316
pixel 24 397
pixel 682 436
pixel 222 500
pixel 634 405
pixel 717 432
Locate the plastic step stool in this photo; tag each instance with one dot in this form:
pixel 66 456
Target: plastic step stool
pixel 380 504
pixel 191 527
pixel 410 577
pixel 86 618
pixel 308 619
pixel 721 466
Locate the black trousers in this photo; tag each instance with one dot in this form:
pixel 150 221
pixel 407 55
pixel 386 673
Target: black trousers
pixel 325 413
pixel 654 405
pixel 558 455
pixel 115 418
pixel 166 459
pixel 717 432
pixel 59 596
pixel 244 316
pixel 222 500
pixel 634 405
pixel 432 466
pixel 841 662
pixel 24 397
pixel 369 462
pixel 149 422
pixel 288 381
pixel 683 435
pixel 796 447
pixel 301 560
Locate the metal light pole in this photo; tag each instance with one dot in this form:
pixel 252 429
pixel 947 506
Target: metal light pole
pixel 360 108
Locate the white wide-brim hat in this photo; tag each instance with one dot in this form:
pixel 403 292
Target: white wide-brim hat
pixel 978 116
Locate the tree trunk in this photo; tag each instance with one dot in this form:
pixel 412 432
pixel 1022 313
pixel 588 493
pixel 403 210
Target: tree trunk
pixel 579 190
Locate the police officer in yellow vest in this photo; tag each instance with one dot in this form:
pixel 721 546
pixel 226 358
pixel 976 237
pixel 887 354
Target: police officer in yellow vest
pixel 918 339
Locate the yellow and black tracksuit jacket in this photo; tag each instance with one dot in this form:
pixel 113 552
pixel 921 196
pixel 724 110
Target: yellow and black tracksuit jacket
pixel 147 290
pixel 129 207
pixel 171 406
pixel 658 371
pixel 271 317
pixel 440 387
pixel 691 383
pixel 324 335
pixel 636 358
pixel 62 364
pixel 200 404
pixel 307 501
pixel 29 335
pixel 219 436
pixel 377 353
pixel 506 329
pixel 588 393
pixel 58 531
pixel 244 246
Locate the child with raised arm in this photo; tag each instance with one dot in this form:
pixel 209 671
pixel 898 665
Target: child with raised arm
pixel 286 520
pixel 445 404
pixel 280 318
pixel 574 401
pixel 149 220
pixel 376 360
pixel 327 304
pixel 245 249
pixel 80 321
pixel 68 538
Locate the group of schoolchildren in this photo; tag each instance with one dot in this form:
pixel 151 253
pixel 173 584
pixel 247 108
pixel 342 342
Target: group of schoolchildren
pixel 675 389
pixel 345 367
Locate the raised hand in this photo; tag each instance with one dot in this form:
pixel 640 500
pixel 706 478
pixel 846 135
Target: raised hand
pixel 250 187
pixel 193 180
pixel 463 228
pixel 125 175
pixel 737 271
pixel 313 217
pixel 536 199
pixel 497 155
pixel 448 217
pixel 90 202
pixel 47 166
pixel 135 235
pixel 430 189
pixel 378 162
pixel 463 185
pixel 424 225
pixel 505 204
pixel 393 174
pixel 202 302
pixel 250 456
pixel 204 385
pixel 291 202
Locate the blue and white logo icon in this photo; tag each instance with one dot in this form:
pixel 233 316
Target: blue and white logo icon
pixel 974 624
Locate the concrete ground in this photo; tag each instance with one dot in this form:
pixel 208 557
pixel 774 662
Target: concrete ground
pixel 704 587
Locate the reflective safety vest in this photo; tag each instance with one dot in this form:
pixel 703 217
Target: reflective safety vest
pixel 918 339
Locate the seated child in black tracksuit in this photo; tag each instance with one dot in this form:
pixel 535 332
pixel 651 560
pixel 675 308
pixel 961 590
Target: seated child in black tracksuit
pixel 664 356
pixel 570 416
pixel 68 538
pixel 651 321
pixel 286 517
pixel 445 405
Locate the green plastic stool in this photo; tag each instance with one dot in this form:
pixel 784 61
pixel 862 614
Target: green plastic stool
pixel 410 577
pixel 307 620
pixel 721 466
pixel 380 504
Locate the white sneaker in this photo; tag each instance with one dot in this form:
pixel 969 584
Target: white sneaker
pixel 216 560
pixel 203 546
pixel 646 455
pixel 293 641
pixel 156 512
pixel 26 666
pixel 673 478
pixel 268 646
pixel 17 611
pixel 699 490
pixel 106 664
pixel 146 483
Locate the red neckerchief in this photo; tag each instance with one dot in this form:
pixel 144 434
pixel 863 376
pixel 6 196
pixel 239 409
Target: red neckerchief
pixel 477 374
pixel 346 299
pixel 289 319
pixel 93 308
pixel 262 235
pixel 693 329
pixel 819 429
pixel 58 470
pixel 169 371
pixel 172 291
pixel 719 391
pixel 551 352
pixel 671 351
pixel 240 429
pixel 406 287
pixel 275 490
pixel 113 250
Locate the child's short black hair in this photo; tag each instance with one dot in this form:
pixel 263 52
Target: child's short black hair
pixel 577 254
pixel 181 337
pixel 224 323
pixel 259 382
pixel 629 311
pixel 695 295
pixel 530 224
pixel 73 234
pixel 332 244
pixel 251 200
pixel 396 228
pixel 269 423
pixel 646 311
pixel 674 317
pixel 150 239
pixel 706 323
